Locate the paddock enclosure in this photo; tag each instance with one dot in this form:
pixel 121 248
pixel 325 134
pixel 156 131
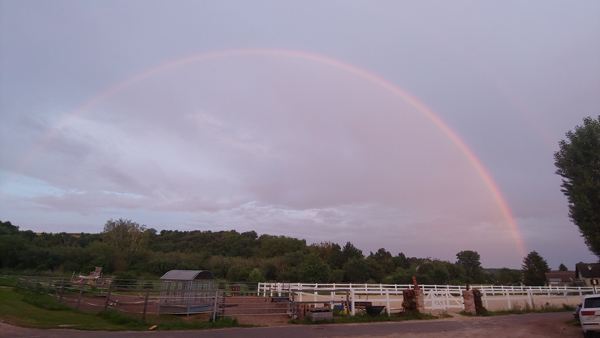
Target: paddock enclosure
pixel 250 301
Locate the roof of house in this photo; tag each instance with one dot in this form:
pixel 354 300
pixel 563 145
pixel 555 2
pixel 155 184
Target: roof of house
pixel 561 276
pixel 188 275
pixel 588 270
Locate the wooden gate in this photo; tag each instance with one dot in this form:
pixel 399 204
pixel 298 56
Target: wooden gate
pixel 442 300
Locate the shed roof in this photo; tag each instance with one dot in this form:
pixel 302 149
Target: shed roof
pixel 188 275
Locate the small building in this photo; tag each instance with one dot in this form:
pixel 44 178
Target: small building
pixel 560 278
pixel 585 272
pixel 186 291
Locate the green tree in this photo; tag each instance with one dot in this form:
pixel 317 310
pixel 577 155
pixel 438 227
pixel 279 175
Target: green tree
pixel 562 267
pixel 469 260
pixel 509 277
pixel 534 269
pixel 314 270
pixel 272 246
pixel 331 253
pixel 375 271
pixel 456 273
pixel 400 261
pixel 351 252
pixel 384 259
pixel 11 251
pixel 356 270
pixel 126 237
pixel 578 162
pixel 255 276
pixel 438 274
pixel 6 228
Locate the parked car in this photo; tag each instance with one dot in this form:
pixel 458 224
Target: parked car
pixel 589 315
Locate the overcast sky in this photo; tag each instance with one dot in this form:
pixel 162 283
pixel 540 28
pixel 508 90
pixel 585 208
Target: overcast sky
pixel 384 123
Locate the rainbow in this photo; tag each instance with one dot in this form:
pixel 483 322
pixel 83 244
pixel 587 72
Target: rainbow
pixel 472 158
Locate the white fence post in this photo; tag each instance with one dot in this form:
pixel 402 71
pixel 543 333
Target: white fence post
pixel 485 298
pixel 387 298
pixel 530 298
pixel 352 302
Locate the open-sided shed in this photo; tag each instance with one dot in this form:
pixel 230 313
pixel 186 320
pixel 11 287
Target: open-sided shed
pixel 187 291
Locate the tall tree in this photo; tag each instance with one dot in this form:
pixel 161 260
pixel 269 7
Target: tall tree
pixel 331 253
pixel 400 261
pixel 563 267
pixel 352 252
pixel 385 259
pixel 534 269
pixel 469 260
pixel 126 237
pixel 578 162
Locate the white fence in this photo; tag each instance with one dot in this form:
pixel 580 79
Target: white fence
pixel 437 297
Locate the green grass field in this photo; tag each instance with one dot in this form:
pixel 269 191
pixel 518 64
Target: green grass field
pixel 28 309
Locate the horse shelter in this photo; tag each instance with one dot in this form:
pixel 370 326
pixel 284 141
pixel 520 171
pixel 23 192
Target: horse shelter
pixel 187 292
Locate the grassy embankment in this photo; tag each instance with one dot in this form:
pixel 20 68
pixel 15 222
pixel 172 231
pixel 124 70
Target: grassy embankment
pixel 29 309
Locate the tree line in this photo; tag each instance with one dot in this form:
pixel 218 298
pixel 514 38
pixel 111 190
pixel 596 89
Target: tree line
pixel 129 250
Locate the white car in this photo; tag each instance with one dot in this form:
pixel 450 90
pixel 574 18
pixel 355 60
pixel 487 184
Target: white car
pixel 589 315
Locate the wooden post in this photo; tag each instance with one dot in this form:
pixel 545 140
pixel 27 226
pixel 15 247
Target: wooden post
pixel 62 289
pixel 80 295
pixel 107 296
pixel 348 303
pixel 145 305
pixel 216 304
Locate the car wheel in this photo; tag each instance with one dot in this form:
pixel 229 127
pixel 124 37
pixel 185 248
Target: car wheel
pixel 588 334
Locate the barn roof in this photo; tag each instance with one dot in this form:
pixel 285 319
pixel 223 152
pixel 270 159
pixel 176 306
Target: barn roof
pixel 188 275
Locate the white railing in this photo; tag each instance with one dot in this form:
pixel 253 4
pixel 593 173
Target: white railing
pixel 271 288
pixel 437 297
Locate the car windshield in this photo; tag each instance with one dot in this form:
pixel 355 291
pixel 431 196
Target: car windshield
pixel 592 302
